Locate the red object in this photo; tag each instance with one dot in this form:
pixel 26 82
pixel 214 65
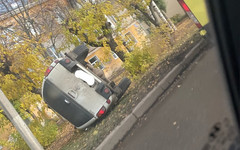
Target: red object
pixel 49 69
pixel 101 111
pixel 56 61
pixel 189 13
pixel 184 5
pixel 67 61
pixel 198 25
pixel 106 90
pixel 108 101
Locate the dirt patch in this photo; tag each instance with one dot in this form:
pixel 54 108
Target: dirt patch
pixel 63 138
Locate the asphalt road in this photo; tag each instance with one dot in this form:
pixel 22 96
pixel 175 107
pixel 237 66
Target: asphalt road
pixel 183 118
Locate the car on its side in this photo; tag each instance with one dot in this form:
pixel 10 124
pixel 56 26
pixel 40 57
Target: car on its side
pixel 77 94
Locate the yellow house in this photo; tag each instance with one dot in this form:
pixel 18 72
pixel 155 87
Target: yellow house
pixel 133 33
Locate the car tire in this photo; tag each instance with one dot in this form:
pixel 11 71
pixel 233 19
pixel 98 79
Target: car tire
pixel 123 85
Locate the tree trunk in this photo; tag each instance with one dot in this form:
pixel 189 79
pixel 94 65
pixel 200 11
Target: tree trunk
pixel 154 14
pixel 111 42
pixel 72 3
pixel 145 14
pixel 154 19
pixel 169 21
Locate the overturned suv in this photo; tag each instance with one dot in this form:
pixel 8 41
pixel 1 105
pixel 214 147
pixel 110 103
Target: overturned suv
pixel 76 92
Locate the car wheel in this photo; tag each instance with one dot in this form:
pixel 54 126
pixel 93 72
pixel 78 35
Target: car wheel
pixel 123 85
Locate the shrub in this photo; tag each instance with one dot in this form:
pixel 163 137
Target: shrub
pixel 46 133
pixel 138 61
pixel 177 18
pixel 141 58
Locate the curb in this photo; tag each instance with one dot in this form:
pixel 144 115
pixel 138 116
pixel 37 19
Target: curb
pixel 121 130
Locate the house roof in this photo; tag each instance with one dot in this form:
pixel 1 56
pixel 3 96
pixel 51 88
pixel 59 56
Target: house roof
pixel 92 49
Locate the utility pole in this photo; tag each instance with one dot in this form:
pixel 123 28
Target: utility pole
pixel 20 125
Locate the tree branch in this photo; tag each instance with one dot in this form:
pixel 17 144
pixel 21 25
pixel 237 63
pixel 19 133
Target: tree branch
pixel 154 14
pixel 145 14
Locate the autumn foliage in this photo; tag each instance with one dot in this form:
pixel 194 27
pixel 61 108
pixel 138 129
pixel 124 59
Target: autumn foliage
pixel 22 69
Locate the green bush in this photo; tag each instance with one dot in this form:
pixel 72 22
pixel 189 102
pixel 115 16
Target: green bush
pixel 138 61
pixel 177 18
pixel 141 58
pixel 17 142
pixel 45 134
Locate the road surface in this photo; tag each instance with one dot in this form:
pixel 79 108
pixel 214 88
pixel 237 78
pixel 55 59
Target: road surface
pixel 183 119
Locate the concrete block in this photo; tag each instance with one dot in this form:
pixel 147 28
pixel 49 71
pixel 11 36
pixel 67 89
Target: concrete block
pixel 147 101
pixel 164 84
pixel 193 53
pixel 171 76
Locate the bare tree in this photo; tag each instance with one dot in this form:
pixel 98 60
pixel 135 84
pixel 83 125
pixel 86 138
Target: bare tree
pixel 41 24
pixel 148 11
pixel 49 19
pixel 25 22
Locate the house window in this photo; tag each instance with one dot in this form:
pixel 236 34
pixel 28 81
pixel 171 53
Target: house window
pixel 129 37
pixel 115 56
pixel 96 62
pixel 130 41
